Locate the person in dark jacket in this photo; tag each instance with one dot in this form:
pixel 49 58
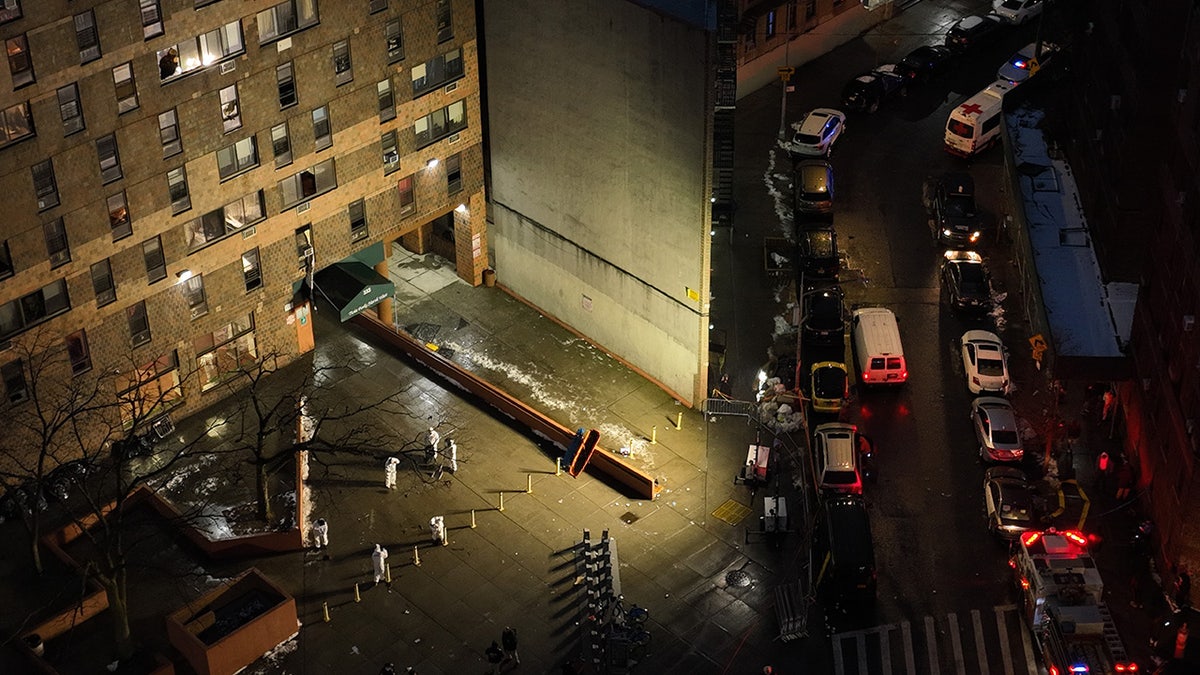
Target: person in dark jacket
pixel 494 657
pixel 509 639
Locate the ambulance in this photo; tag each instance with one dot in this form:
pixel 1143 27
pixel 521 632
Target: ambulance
pixel 975 124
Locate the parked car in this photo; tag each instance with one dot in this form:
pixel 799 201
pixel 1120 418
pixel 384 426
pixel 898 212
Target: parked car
pixel 68 475
pixel 925 62
pixel 19 499
pixel 984 363
pixel 950 202
pixel 1007 502
pixel 836 449
pixel 829 385
pixel 823 316
pixel 819 253
pixel 866 91
pixel 817 132
pixel 1017 12
pixel 965 279
pixel 995 425
pixel 1022 65
pixel 813 187
pixel 971 31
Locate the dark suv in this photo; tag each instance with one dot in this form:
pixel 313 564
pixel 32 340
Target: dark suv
pixel 971 31
pixel 823 316
pixel 819 254
pixel 867 90
pixel 950 201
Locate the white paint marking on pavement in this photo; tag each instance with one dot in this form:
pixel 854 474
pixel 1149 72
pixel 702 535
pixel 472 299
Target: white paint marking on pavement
pixel 885 654
pixel 839 668
pixel 1030 662
pixel 979 646
pixel 931 646
pixel 1002 628
pixel 862 652
pixel 956 643
pixel 910 661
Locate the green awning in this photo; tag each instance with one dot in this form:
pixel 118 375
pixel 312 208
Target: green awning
pixel 353 287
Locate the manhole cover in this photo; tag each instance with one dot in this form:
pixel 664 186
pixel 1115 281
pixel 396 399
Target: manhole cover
pixel 629 518
pixel 737 578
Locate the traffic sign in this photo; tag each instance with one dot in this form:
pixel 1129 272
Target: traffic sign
pixel 785 72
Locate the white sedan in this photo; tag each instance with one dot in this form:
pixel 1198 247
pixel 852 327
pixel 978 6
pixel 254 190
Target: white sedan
pixel 1017 11
pixel 984 362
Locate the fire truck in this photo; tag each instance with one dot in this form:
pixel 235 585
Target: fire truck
pixel 1063 601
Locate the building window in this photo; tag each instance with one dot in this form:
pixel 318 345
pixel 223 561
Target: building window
pixel 287 86
pixel 78 352
pixel 391 154
pixel 168 134
pixel 15 123
pixel 308 183
pixel 86 37
pixel 196 53
pixel 304 246
pixel 34 308
pixel 226 351
pixel 445 21
pixel 216 225
pixel 437 72
pixel 102 283
pixel 281 145
pixel 14 381
pixel 177 186
pixel 193 294
pixel 358 220
pixel 156 262
pixel 110 158
pixel 6 263
pixel 791 14
pixel 408 199
pixel 44 185
pixel 286 18
pixel 57 247
pixel 810 9
pixel 440 124
pixel 69 109
pixel 770 24
pixel 251 270
pixel 237 158
pixel 147 390
pixel 118 216
pixel 454 173
pixel 127 98
pixel 10 10
pixel 231 114
pixel 139 324
pixel 376 6
pixel 343 70
pixel 387 101
pixel 152 25
pixel 19 63
pixel 394 33
pixel 322 133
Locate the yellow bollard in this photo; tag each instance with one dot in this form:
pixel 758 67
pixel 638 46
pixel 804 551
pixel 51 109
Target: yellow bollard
pixel 472 519
pixel 501 502
pixel 325 610
pixel 357 597
pixel 387 573
pixel 416 557
pixel 558 466
pixel 654 435
pixel 528 483
pixel 678 421
pixel 445 539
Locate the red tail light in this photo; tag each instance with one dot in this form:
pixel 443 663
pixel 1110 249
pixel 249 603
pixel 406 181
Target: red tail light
pixel 1030 537
pixel 866 375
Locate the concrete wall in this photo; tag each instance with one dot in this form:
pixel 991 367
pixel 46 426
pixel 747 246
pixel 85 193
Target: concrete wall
pixel 600 167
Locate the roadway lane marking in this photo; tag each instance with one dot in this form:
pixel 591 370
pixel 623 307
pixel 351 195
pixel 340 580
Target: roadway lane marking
pixel 910 661
pixel 956 643
pixel 862 652
pixel 1030 663
pixel 885 654
pixel 1002 627
pixel 931 645
pixel 979 646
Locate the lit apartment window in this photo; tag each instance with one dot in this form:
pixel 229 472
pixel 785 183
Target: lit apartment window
pixel 286 18
pixel 440 123
pixel 102 283
pixel 358 220
pixel 454 173
pixel 393 32
pixel 177 186
pixel 13 373
pixel 308 183
pixel 251 270
pixel 139 324
pixel 19 63
pixel 152 25
pixel 110 158
pixel 436 72
pixel 231 113
pixel 57 248
pixel 287 85
pixel 408 199
pixel 44 185
pixel 33 308
pixel 78 352
pixel 86 37
pixel 196 53
pixel 168 133
pixel 15 123
pixel 6 263
pixel 445 21
pixel 193 294
pixel 150 388
pixel 375 6
pixel 224 352
pixel 391 154
pixel 770 24
pixel 220 223
pixel 281 145
pixel 343 70
pixel 387 101
pixel 127 98
pixel 322 131
pixel 237 158
pixel 156 262
pixel 69 109
pixel 10 10
pixel 118 216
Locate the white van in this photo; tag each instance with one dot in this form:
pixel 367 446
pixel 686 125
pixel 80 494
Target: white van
pixel 877 349
pixel 975 125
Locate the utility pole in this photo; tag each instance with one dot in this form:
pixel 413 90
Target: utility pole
pixel 785 73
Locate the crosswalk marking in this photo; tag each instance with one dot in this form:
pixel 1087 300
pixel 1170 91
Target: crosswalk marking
pixel 980 649
pixel 956 643
pixel 838 665
pixel 862 648
pixel 1027 644
pixel 931 645
pixel 910 660
pixel 885 653
pixel 1005 654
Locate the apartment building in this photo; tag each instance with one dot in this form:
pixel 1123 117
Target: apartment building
pixel 179 175
pixel 768 24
